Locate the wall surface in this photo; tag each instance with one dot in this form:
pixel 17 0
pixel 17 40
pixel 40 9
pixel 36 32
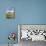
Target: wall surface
pixel 31 11
pixel 27 12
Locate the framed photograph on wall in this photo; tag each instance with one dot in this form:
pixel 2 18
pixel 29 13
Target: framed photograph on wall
pixel 32 32
pixel 10 13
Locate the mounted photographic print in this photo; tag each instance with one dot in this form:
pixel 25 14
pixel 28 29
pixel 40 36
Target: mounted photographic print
pixel 32 32
pixel 10 13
